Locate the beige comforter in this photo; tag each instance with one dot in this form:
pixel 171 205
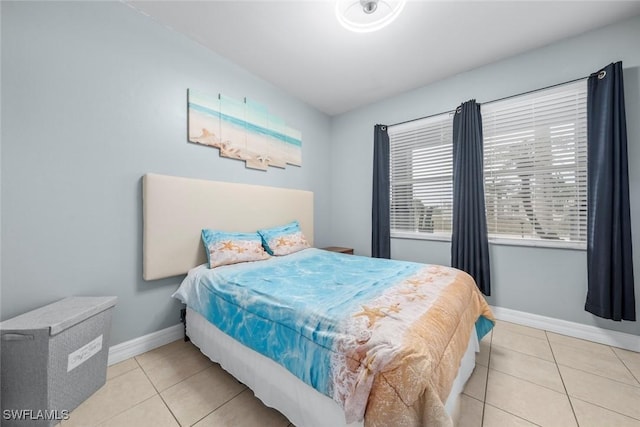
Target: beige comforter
pixel 431 315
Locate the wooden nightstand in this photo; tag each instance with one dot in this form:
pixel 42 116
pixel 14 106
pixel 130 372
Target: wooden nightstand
pixel 339 249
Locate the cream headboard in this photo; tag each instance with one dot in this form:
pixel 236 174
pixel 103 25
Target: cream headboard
pixel 176 209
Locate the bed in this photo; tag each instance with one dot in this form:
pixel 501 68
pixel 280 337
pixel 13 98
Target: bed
pixel 371 362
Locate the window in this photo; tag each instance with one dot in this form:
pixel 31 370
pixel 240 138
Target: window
pixel 421 154
pixel 535 165
pixel 535 170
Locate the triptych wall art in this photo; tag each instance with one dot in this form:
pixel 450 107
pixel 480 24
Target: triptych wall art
pixel 243 130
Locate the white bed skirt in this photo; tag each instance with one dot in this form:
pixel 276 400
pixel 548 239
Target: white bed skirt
pixel 278 388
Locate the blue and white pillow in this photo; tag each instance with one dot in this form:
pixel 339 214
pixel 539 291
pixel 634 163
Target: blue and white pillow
pixel 225 248
pixel 284 240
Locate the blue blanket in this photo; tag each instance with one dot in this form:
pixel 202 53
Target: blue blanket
pixel 287 308
pixel 330 319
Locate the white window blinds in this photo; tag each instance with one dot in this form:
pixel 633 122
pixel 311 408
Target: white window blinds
pixel 421 180
pixel 535 165
pixel 535 170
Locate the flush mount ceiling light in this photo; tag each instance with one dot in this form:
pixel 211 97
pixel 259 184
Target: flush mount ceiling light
pixel 364 16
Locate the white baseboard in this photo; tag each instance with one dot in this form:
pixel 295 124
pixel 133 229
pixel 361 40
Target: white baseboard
pixel 136 346
pixel 573 329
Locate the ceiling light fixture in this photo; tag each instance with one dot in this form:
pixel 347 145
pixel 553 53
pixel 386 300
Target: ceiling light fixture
pixel 364 16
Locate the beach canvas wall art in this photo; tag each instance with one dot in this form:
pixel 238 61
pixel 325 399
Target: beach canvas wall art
pixel 243 130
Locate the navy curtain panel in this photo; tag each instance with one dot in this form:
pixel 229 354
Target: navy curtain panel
pixel 609 259
pixel 469 241
pixel 380 215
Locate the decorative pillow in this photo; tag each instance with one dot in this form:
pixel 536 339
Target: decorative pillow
pixel 224 248
pixel 283 240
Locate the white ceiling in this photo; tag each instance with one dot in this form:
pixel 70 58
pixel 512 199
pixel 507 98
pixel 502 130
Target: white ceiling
pixel 300 47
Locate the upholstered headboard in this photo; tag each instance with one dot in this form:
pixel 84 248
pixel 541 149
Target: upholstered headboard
pixel 175 210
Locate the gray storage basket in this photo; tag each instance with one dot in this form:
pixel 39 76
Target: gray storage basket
pixel 52 359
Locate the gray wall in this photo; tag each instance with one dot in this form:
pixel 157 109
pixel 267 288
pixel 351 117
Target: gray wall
pixel 93 97
pixel 549 282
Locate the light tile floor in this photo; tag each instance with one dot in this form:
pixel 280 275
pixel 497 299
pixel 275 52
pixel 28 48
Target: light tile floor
pixel 523 377
pixel 530 377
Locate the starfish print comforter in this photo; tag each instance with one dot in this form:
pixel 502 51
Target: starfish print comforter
pixel 383 338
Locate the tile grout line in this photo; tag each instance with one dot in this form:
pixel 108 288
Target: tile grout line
pixel 590 373
pixel 158 392
pixel 168 354
pixel 128 409
pixel 600 376
pixel 99 423
pixel 606 378
pixel 531 382
pixel 556 363
pixel 528 336
pixel 524 335
pixel 184 379
pixel 486 383
pixel 471 397
pixel 515 330
pixel 526 354
pixel 125 372
pixel 221 405
pixel 562 379
pixel 625 365
pixel 515 415
pixel 617 357
pixel 528 381
pixel 576 348
pixel 169 409
pixel 607 409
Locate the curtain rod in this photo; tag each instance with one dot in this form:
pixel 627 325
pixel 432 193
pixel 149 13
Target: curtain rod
pixel 494 100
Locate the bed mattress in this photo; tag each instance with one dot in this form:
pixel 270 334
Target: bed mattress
pixel 278 388
pixel 381 338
